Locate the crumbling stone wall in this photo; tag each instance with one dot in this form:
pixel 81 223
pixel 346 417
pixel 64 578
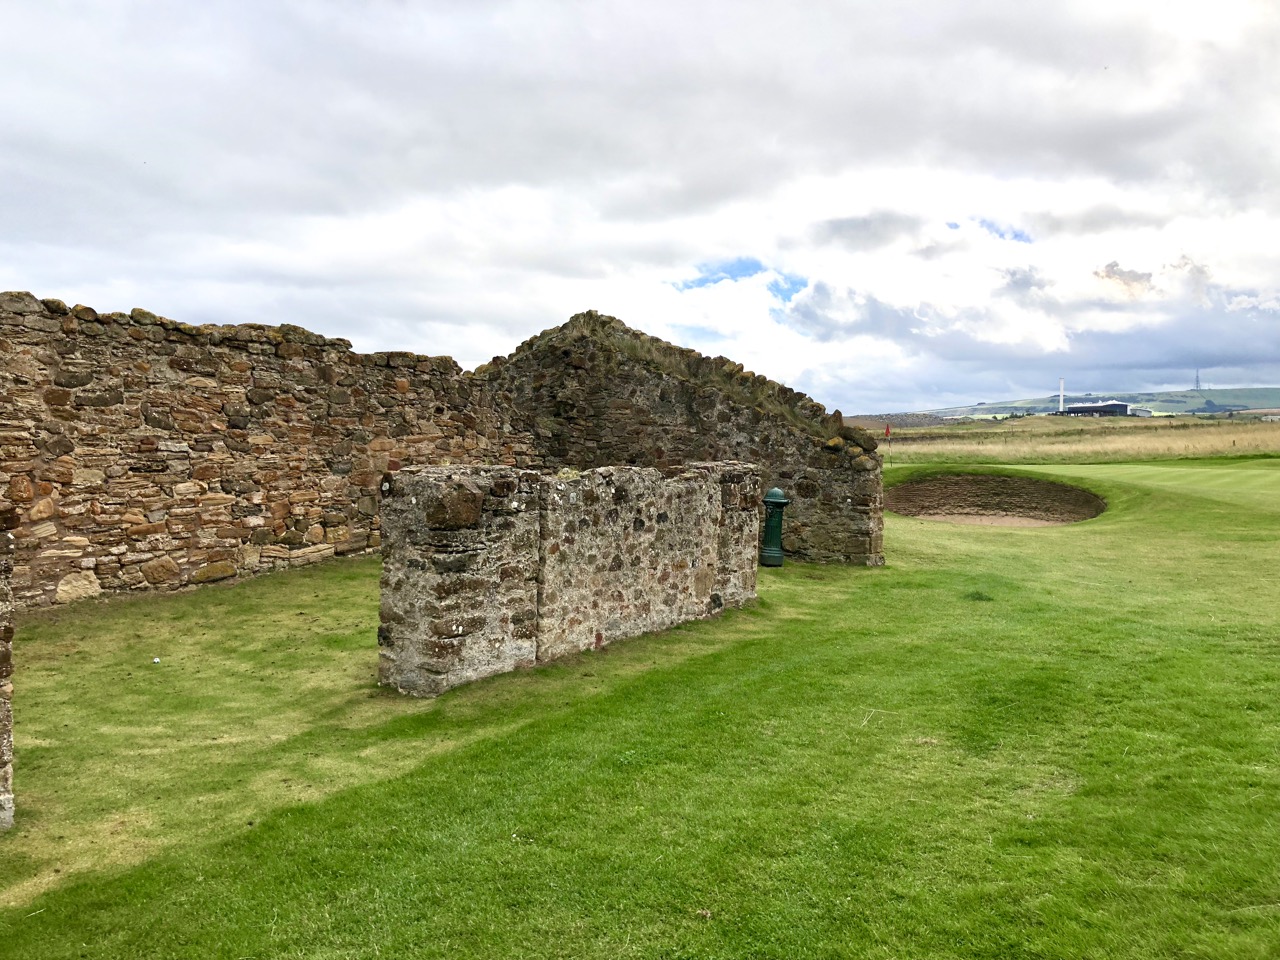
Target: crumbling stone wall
pixel 595 392
pixel 488 569
pixel 8 520
pixel 145 453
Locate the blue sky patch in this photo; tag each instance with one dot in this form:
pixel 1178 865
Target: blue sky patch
pixel 1004 233
pixel 786 286
pixel 709 273
pixel 698 334
pixel 951 225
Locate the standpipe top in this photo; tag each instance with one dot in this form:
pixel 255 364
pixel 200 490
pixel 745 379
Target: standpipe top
pixel 776 496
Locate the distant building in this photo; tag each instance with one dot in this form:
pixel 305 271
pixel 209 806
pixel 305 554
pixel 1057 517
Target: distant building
pixel 1106 408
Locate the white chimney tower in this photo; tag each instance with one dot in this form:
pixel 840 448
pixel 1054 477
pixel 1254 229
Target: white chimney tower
pixel 1062 395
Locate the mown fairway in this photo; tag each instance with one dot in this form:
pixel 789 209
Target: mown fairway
pixel 1049 742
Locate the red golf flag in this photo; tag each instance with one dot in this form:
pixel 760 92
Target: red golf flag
pixel 886 429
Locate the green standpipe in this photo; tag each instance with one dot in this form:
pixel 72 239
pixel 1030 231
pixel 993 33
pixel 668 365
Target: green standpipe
pixel 771 547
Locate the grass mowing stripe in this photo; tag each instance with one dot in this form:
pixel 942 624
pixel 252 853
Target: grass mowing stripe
pixel 975 752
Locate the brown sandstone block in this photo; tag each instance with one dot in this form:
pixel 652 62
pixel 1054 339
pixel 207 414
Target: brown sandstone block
pixel 77 586
pixel 21 489
pixel 161 570
pixel 321 551
pixel 42 510
pixel 110 397
pixel 210 572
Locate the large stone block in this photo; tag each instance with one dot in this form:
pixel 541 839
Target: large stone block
pixel 77 586
pixel 210 572
pixel 161 570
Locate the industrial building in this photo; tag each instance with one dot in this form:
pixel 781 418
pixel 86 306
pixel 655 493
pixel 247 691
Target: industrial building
pixel 1105 408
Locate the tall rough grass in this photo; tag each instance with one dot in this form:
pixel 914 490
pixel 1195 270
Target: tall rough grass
pixel 1084 440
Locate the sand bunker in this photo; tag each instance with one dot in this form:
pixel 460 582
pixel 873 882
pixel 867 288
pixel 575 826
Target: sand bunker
pixel 993 501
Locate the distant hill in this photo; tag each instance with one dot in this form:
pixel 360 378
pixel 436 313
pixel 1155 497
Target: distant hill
pixel 1169 401
pixel 876 422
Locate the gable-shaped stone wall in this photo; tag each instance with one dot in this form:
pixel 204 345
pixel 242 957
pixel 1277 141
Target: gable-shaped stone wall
pixel 492 568
pixel 145 453
pixel 594 392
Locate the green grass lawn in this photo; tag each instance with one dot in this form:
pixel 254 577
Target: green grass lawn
pixel 1046 742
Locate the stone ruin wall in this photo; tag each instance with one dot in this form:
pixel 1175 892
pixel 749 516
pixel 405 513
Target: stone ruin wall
pixel 594 393
pixel 459 589
pixel 137 452
pixel 148 454
pixel 8 520
pixel 145 453
pixel 624 551
pixel 489 569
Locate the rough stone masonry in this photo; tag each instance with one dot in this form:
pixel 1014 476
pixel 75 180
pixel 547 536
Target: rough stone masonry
pixel 487 569
pixel 141 453
pixel 8 520
pixel 594 392
pixel 147 454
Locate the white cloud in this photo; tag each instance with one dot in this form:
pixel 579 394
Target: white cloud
pixel 973 193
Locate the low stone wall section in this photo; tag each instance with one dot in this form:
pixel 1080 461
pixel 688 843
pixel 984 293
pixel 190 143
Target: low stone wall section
pixel 487 569
pixel 8 520
pixel 625 551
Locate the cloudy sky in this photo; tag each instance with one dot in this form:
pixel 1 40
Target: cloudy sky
pixel 890 205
